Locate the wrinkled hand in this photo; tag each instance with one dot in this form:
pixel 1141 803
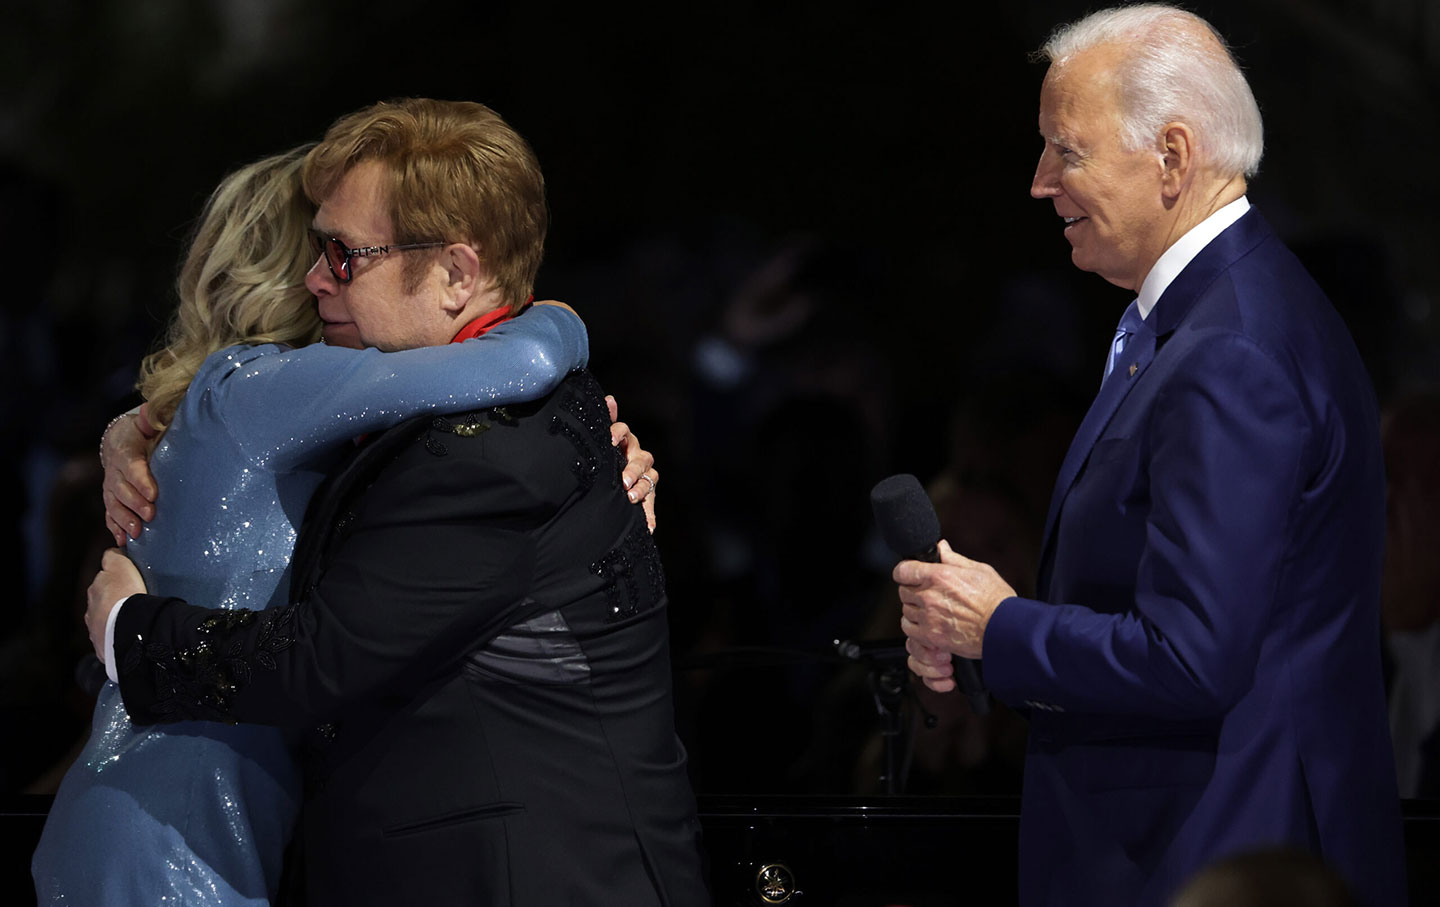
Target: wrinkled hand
pixel 116 580
pixel 129 489
pixel 931 665
pixel 639 464
pixel 945 609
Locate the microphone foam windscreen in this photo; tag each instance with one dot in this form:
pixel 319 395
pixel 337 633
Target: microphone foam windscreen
pixel 905 515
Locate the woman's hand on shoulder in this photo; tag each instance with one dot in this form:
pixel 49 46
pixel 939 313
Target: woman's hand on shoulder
pixel 640 475
pixel 129 489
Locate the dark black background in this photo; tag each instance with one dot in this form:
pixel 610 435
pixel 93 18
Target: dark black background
pixel 684 146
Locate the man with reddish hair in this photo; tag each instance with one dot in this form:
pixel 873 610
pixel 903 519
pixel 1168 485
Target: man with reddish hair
pixel 451 168
pixel 477 634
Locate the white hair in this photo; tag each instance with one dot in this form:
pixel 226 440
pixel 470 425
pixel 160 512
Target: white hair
pixel 1173 73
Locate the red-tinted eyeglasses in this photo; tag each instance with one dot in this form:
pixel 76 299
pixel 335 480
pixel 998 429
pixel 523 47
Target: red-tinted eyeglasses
pixel 338 255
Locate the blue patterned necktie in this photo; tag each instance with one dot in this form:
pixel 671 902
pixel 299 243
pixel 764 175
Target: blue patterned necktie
pixel 1129 324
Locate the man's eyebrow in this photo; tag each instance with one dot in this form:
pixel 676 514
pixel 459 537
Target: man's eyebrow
pixel 1057 138
pixel 327 232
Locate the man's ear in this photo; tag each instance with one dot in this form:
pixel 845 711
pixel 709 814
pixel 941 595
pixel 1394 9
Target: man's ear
pixel 465 275
pixel 1177 156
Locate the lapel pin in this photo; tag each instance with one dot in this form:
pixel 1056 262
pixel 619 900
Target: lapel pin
pixel 1133 367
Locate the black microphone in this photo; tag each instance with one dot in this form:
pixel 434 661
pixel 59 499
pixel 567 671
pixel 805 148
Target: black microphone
pixel 911 529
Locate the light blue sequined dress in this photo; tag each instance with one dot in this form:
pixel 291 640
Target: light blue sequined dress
pixel 199 813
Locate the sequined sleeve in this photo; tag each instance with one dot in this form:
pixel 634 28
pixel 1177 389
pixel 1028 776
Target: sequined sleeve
pixel 432 542
pixel 455 570
pixel 287 407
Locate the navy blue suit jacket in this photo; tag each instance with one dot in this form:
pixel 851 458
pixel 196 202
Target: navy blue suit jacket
pixel 1203 662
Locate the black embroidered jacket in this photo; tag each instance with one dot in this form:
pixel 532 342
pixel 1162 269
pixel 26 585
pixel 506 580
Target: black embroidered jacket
pixel 477 643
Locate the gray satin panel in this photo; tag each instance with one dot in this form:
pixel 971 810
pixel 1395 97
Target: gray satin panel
pixel 540 650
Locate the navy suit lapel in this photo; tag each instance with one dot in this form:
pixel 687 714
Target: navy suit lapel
pixel 1130 367
pixel 1174 304
pixel 1237 241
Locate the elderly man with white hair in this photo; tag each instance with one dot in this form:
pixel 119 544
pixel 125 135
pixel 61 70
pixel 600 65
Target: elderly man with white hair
pixel 1201 663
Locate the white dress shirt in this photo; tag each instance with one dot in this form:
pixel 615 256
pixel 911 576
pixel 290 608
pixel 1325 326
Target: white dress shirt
pixel 1184 250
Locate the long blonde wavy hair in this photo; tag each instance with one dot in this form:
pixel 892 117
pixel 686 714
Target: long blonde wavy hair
pixel 243 280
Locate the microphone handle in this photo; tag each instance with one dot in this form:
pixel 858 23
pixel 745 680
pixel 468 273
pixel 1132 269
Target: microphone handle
pixel 967 670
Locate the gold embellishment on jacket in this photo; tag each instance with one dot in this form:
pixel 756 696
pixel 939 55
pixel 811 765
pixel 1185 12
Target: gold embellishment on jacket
pixel 470 425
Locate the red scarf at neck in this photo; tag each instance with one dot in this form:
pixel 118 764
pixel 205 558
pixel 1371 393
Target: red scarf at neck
pixel 483 323
pixel 473 329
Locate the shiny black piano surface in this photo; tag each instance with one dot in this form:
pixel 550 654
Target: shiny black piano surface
pixel 830 851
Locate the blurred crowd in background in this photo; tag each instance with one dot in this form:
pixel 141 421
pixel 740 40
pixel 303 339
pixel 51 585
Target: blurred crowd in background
pixel 802 244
